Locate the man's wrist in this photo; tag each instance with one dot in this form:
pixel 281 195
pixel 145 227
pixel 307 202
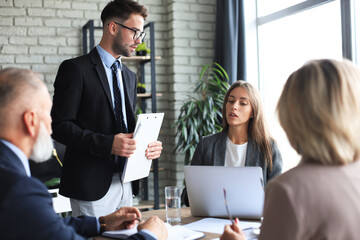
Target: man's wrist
pixel 102 224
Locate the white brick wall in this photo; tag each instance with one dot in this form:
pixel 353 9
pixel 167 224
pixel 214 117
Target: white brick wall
pixel 26 3
pixel 58 4
pixel 40 34
pixel 190 25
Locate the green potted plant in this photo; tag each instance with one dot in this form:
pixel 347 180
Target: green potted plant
pixel 203 115
pixel 141 49
pixel 141 87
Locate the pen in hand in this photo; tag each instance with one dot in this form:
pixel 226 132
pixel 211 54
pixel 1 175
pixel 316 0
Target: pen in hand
pixel 227 208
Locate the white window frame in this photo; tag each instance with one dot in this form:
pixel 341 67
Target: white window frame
pixel 252 22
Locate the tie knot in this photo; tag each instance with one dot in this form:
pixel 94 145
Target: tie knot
pixel 116 65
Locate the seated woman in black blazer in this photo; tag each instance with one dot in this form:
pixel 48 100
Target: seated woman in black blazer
pixel 245 139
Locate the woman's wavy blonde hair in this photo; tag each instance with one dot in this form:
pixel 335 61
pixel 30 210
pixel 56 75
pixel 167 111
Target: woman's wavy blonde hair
pixel 319 109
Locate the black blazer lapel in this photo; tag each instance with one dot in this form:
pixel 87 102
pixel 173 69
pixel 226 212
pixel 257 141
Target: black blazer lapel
pixel 129 86
pixel 219 149
pixel 96 60
pixel 251 153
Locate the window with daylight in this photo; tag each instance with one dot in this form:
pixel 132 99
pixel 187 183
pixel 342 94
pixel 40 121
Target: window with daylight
pixel 290 35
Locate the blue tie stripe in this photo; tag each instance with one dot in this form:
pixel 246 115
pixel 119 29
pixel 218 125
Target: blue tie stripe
pixel 120 123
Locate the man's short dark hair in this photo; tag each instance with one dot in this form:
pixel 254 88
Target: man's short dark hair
pixel 122 9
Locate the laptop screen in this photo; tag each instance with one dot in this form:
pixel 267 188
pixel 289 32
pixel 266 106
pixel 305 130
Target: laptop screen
pixel 244 191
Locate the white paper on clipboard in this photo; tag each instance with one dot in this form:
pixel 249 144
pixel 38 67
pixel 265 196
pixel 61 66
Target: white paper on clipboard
pixel 146 131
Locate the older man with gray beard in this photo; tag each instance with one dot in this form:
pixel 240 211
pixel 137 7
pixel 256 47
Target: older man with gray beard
pixel 26 210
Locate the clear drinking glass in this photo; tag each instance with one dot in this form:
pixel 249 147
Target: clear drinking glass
pixel 173 204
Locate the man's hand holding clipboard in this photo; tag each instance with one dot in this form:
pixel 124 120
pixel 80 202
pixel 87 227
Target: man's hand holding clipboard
pixel 147 147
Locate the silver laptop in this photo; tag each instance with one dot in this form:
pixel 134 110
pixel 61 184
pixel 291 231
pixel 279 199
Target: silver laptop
pixel 244 191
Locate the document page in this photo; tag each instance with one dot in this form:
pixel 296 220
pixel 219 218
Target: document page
pixel 177 232
pixel 217 225
pixel 146 131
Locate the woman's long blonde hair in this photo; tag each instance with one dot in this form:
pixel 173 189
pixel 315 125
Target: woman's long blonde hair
pixel 319 110
pixel 258 129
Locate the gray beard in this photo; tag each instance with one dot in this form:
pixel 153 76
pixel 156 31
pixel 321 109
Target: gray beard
pixel 43 147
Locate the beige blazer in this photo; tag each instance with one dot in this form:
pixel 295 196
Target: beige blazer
pixel 313 201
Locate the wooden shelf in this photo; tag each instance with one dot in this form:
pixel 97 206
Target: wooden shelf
pixel 159 169
pixel 138 58
pixel 147 95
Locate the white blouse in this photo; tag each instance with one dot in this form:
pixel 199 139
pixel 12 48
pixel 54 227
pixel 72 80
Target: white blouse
pixel 235 154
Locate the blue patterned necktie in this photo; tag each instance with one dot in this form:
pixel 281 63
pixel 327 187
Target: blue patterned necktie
pixel 120 123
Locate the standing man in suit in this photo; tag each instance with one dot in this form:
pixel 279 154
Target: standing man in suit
pixel 26 210
pixel 93 115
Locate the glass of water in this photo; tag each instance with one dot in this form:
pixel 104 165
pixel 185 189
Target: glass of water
pixel 173 204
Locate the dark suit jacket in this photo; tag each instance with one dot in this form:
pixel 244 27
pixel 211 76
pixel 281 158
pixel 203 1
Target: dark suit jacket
pixel 26 210
pixel 211 152
pixel 84 121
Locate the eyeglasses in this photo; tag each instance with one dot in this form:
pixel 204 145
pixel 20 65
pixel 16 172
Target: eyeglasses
pixel 137 33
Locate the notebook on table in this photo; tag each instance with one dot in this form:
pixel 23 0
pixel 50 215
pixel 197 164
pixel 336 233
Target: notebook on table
pixel 244 191
pixel 177 232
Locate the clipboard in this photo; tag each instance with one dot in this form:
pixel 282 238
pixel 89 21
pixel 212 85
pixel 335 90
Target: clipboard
pixel 147 130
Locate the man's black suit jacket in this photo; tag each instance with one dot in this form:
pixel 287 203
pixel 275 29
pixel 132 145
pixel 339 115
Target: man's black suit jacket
pixel 84 120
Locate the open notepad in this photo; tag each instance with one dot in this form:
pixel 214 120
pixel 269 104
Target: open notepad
pixel 177 232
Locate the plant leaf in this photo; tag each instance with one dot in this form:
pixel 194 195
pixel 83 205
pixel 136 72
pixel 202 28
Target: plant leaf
pixel 201 115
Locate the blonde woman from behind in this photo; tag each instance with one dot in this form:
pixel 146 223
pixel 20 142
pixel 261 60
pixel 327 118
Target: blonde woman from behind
pixel 319 110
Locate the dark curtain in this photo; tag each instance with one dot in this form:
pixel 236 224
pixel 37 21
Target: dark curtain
pixel 230 38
